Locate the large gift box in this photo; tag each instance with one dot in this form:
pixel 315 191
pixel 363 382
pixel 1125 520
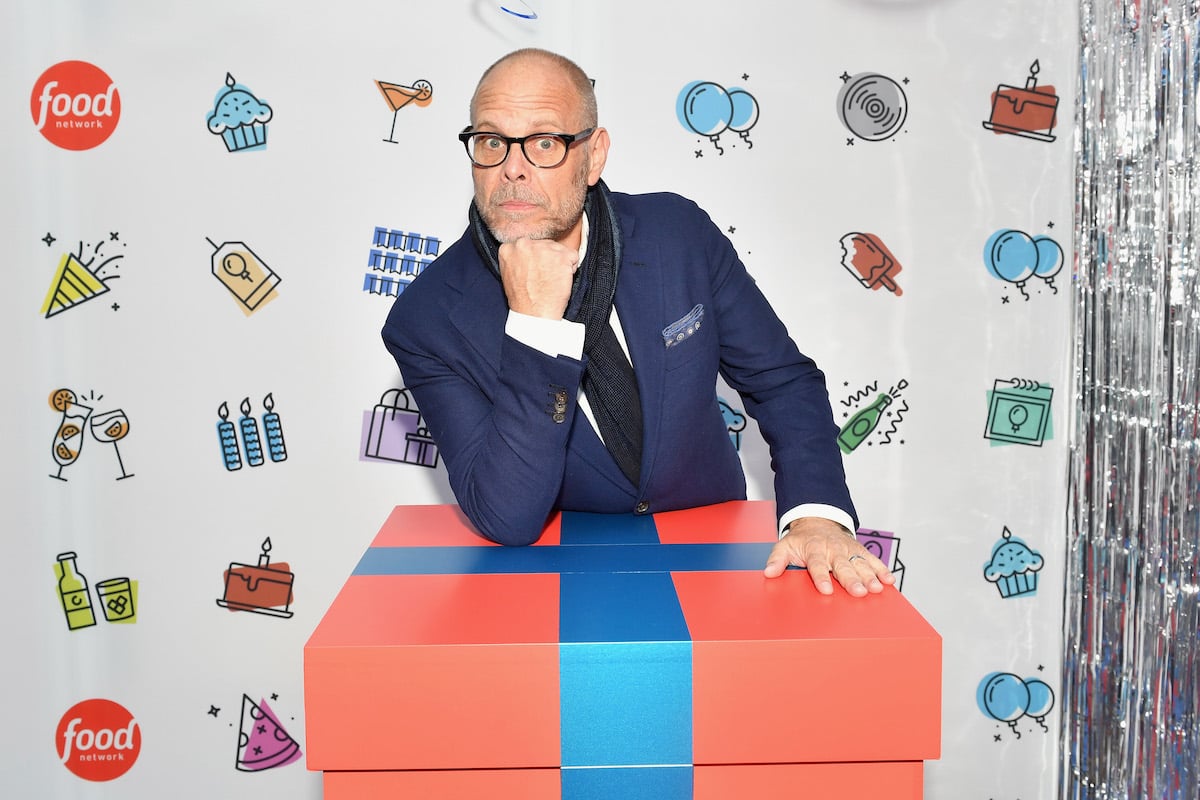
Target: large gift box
pixel 620 656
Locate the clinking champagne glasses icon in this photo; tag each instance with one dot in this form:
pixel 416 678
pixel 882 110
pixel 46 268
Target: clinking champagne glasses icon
pixel 68 439
pixel 112 426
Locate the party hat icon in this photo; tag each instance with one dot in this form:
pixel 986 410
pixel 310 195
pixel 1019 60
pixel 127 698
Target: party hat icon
pixel 73 284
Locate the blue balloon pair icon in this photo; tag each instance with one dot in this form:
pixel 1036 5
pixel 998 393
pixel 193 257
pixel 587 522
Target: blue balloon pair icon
pixel 1015 257
pixel 1007 697
pixel 710 109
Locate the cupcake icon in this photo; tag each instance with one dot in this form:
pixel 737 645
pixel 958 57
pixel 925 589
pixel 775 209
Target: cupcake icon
pixel 1013 568
pixel 239 118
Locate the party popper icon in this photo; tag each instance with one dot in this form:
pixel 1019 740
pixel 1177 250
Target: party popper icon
pixel 243 273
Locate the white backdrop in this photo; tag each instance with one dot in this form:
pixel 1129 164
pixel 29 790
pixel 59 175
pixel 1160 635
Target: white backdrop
pixel 864 117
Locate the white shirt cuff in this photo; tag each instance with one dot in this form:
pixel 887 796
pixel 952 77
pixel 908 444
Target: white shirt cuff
pixel 554 337
pixel 821 510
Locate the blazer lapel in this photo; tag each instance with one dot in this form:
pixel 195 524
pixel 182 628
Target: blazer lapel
pixel 640 307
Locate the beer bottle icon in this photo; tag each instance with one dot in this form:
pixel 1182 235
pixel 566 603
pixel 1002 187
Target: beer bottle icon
pixel 73 590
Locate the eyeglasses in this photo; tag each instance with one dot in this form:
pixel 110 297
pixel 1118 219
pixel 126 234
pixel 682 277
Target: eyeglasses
pixel 544 150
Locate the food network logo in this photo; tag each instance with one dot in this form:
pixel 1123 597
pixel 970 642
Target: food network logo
pixel 98 740
pixel 75 105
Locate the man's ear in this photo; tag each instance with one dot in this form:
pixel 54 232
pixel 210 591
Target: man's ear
pixel 597 154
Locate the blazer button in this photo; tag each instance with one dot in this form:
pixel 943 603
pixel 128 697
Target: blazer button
pixel 559 417
pixel 642 507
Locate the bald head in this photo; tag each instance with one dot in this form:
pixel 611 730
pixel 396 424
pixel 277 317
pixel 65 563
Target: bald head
pixel 546 65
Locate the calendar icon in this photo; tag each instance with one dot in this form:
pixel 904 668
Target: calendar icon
pixel 1018 412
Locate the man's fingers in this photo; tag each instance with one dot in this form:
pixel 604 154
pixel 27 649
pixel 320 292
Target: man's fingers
pixel 778 561
pixel 830 556
pixel 536 275
pixel 818 570
pixel 849 576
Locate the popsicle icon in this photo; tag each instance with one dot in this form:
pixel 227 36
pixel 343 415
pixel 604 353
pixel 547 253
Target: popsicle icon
pixel 243 273
pixel 869 260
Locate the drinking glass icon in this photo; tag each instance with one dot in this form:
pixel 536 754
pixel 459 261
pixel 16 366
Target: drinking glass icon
pixel 112 426
pixel 68 439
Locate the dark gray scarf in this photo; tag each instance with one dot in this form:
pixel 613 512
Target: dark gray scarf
pixel 608 378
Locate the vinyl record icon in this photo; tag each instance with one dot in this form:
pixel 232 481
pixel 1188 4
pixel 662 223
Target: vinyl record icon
pixel 872 106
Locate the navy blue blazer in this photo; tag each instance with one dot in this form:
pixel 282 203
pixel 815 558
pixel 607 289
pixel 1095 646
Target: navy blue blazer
pixel 505 416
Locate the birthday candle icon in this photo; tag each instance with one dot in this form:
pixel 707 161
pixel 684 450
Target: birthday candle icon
pixel 271 424
pixel 229 444
pixel 250 440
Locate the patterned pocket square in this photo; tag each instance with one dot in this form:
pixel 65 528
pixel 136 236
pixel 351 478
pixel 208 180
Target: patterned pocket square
pixel 684 327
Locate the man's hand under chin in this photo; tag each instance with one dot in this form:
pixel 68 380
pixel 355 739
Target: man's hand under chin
pixel 537 275
pixel 829 553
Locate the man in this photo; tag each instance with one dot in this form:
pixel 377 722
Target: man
pixel 564 351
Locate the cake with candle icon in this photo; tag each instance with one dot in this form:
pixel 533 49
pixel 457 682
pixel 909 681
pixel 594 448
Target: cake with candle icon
pixel 239 118
pixel 1013 567
pixel 1030 111
pixel 262 588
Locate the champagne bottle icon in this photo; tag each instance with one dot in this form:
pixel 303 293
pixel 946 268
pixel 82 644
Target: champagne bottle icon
pixel 73 591
pixel 862 424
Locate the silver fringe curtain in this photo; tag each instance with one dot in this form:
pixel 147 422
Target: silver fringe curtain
pixel 1132 660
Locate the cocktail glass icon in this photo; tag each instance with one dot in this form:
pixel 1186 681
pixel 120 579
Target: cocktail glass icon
pixel 397 96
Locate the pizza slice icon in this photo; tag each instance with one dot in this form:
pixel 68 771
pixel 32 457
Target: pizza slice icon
pixel 262 741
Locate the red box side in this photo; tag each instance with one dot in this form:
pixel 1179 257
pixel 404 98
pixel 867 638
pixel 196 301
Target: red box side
pixel 900 780
pixel 435 672
pixel 432 707
pixel 833 659
pixel 493 784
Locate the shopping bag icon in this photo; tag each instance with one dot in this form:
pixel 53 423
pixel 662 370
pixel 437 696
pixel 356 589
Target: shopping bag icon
pixel 396 433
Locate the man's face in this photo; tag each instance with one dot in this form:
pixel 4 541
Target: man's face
pixel 516 199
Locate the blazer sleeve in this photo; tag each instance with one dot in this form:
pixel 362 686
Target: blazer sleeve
pixel 782 388
pixel 501 425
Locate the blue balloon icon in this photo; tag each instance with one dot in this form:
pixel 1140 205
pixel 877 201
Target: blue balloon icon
pixel 1041 700
pixel 745 114
pixel 1049 261
pixel 705 108
pixel 1003 696
pixel 1011 256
